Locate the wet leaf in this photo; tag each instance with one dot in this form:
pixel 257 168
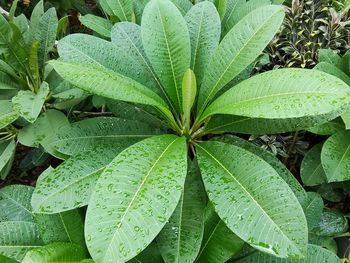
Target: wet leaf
pixel 134 198
pixel 311 170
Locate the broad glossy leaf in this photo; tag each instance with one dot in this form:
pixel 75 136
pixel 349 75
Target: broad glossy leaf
pixel 331 192
pixel 7 153
pixel 328 128
pixel 311 170
pixel 180 239
pixel 100 131
pixel 18 237
pixel 98 24
pixel 56 253
pixel 331 224
pixel 313 209
pixel 46 34
pixel 134 197
pixel 204 26
pixel 43 130
pixel 71 184
pixel 123 9
pixel 134 112
pixel 62 227
pixel 106 83
pixel 124 55
pixel 150 254
pixel 333 70
pixel 335 157
pixel 7 114
pixel 325 242
pixel 166 41
pixel 331 57
pixel 268 157
pixel 237 9
pixel 183 5
pixel 315 254
pixel 29 104
pixel 126 37
pixel 291 96
pixel 219 243
pixel 15 203
pixel 258 197
pixel 234 53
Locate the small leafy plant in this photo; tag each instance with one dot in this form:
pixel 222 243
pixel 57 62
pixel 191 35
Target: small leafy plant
pixel 142 176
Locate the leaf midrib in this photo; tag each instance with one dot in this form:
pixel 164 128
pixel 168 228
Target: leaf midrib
pixel 247 192
pixel 136 194
pixel 235 57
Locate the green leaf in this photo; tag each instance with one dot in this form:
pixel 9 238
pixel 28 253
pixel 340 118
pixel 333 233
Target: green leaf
pixel 331 224
pixel 7 153
pixel 189 91
pixel 7 114
pixel 237 9
pixel 151 253
pixel 124 55
pixel 311 170
pixel 123 9
pixel 33 63
pixel 126 37
pixel 257 196
pixel 56 253
pixel 166 40
pixel 13 45
pixel 98 24
pixel 328 128
pixel 71 184
pixel 15 203
pixel 331 57
pixel 315 254
pixel 18 237
pixel 325 242
pixel 235 54
pixel 294 97
pixel 180 239
pixel 268 157
pixel 346 119
pixel 134 112
pixel 335 157
pixel 219 243
pixel 29 104
pixel 333 70
pixel 46 34
pixel 62 227
pixel 4 259
pixel 134 197
pixel 183 5
pixel 221 6
pixel 43 130
pixel 106 83
pixel 101 131
pixel 37 13
pixel 204 26
pixel 313 209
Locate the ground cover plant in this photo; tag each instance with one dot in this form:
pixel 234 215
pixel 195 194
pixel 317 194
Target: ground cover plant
pixel 165 178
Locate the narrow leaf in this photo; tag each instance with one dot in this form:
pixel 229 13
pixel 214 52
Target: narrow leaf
pixel 123 9
pixel 98 24
pixel 189 90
